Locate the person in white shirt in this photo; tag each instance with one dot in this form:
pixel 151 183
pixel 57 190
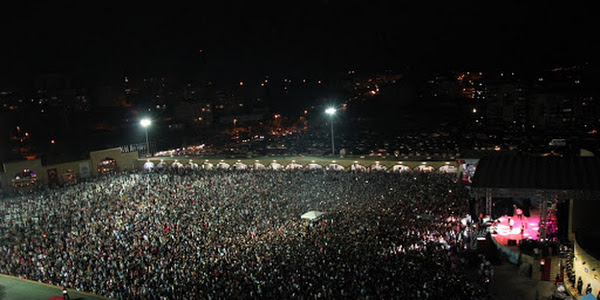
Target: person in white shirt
pixel 65 294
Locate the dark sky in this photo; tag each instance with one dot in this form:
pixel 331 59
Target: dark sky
pixel 243 38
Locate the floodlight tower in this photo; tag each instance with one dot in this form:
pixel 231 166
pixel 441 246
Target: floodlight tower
pixel 331 112
pixel 146 123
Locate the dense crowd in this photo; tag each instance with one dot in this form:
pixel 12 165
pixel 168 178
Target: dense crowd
pixel 221 234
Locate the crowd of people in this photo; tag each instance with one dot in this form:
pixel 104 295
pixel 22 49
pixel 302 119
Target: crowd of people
pixel 224 234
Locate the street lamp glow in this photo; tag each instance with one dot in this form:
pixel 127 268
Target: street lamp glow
pixel 145 122
pixel 330 111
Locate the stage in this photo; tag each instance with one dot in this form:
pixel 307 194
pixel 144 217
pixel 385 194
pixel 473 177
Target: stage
pixel 522 228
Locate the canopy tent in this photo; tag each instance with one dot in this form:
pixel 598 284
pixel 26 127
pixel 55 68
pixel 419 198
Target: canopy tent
pixel 358 167
pixel 312 215
pixel 377 167
pixel 239 166
pixel 313 166
pixel 424 168
pixel 448 169
pixel 148 166
pixel 207 166
pixel 400 168
pixel 192 165
pixel 176 165
pixel 161 165
pixel 274 166
pixel 258 166
pixel 335 167
pixel 294 166
pixel 223 166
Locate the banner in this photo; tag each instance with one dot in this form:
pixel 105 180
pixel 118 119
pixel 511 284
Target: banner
pixel 52 176
pixel 84 169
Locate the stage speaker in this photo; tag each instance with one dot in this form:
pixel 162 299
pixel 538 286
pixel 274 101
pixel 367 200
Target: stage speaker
pixel 512 242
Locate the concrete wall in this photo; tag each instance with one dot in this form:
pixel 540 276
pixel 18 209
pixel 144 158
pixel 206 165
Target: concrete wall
pixel 125 161
pixel 12 168
pixel 589 272
pixel 72 165
pixel 36 166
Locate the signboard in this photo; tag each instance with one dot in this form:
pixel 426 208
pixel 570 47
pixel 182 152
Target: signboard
pixel 84 170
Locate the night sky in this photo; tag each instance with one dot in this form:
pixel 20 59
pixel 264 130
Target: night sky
pixel 238 39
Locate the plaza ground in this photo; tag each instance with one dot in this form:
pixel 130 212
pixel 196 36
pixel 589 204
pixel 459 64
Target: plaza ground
pixel 510 285
pixel 12 288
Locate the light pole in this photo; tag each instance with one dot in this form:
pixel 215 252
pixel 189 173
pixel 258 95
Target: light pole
pixel 145 123
pixel 331 111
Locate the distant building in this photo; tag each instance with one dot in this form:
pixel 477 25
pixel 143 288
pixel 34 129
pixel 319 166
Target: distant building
pixel 554 100
pixel 106 96
pixel 506 103
pixel 197 113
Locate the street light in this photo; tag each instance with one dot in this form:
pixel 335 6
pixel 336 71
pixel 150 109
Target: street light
pixel 331 111
pixel 145 123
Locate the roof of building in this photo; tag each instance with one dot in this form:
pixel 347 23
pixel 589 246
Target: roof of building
pixel 537 172
pixel 587 238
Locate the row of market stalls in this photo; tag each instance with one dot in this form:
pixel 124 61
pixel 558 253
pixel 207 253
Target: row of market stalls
pixel 399 168
pixel 24 179
pixel 27 178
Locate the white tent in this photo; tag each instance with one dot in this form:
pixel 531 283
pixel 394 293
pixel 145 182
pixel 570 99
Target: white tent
pixel 313 166
pixel 312 215
pixel 335 167
pixel 192 165
pixel 358 167
pixel 400 168
pixel 274 166
pixel 424 168
pixel 207 166
pixel 148 166
pixel 176 165
pixel 161 165
pixel 258 166
pixel 448 169
pixel 293 166
pixel 223 166
pixel 239 166
pixel 378 167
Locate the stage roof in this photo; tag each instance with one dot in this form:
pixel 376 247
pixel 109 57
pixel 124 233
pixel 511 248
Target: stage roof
pixel 539 173
pixel 587 238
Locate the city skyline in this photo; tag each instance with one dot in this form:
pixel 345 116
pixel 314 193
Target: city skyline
pixel 69 63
